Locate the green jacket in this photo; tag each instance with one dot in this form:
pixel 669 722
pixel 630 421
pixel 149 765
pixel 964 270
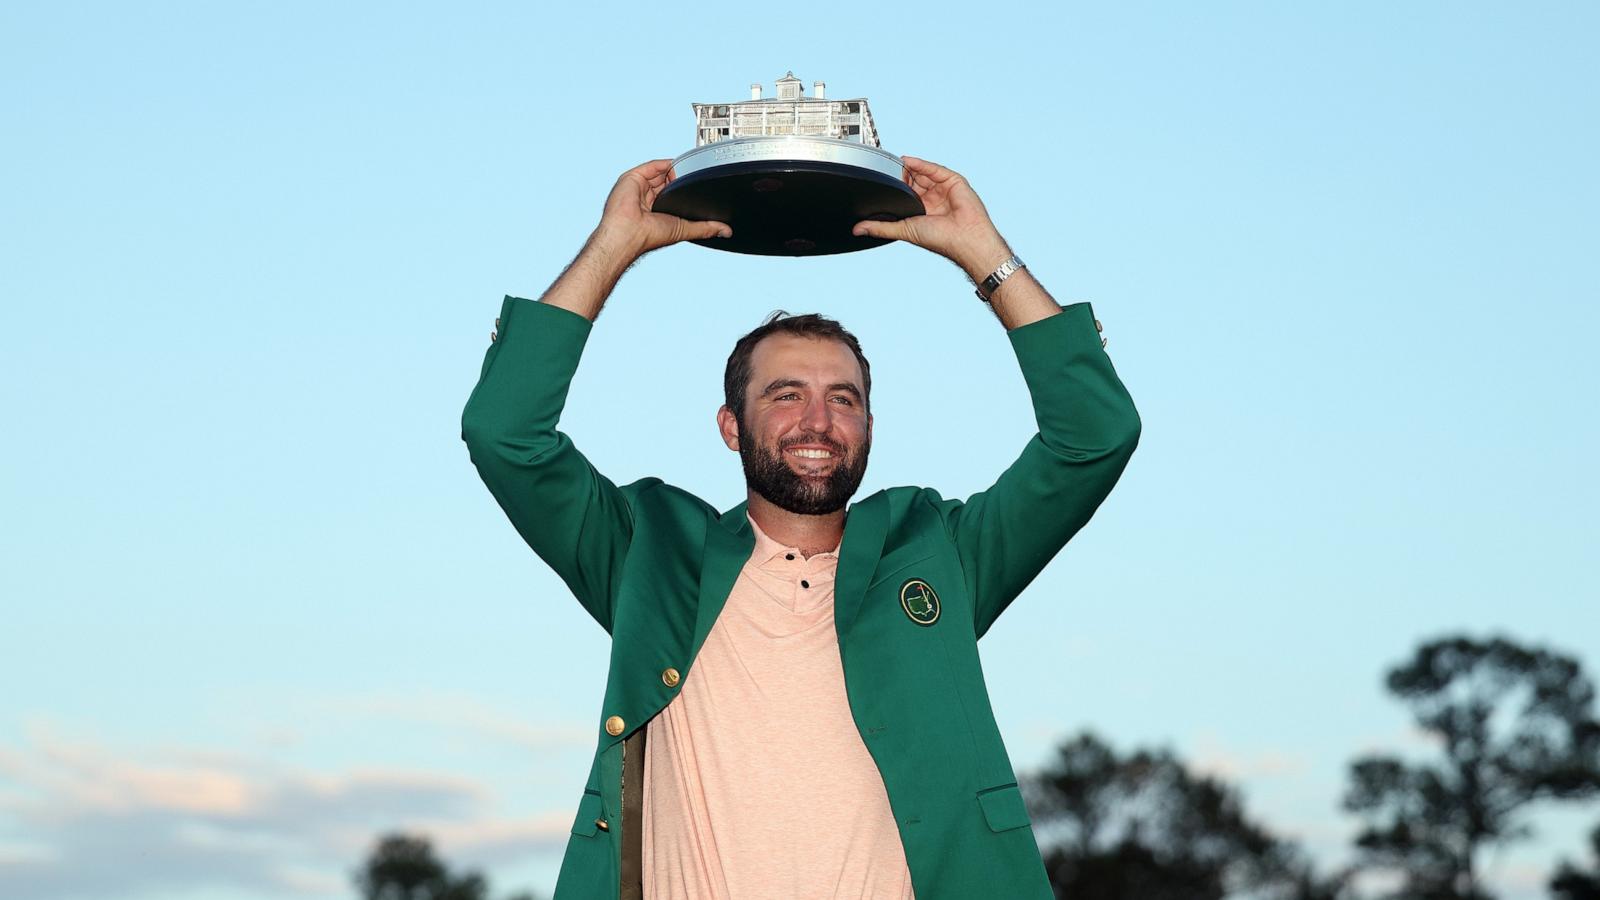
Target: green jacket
pixel 920 579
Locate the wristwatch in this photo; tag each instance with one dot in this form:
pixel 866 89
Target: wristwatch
pixel 989 285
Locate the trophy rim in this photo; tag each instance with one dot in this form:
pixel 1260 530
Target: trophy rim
pixel 789 207
pixel 769 148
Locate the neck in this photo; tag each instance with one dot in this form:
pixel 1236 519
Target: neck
pixel 812 534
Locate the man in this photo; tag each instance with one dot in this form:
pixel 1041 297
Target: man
pixel 795 707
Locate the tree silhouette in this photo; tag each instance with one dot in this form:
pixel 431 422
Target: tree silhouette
pixel 1571 884
pixel 1515 725
pixel 1142 827
pixel 404 867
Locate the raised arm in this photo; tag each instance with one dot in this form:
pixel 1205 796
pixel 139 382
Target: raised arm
pixel 576 519
pixel 957 227
pixel 1088 426
pixel 628 230
pixel 1088 429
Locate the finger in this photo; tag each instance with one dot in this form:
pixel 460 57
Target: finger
pixel 893 231
pixel 922 184
pixel 648 174
pixel 700 231
pixel 930 170
pixel 651 169
pixel 653 187
pixel 644 180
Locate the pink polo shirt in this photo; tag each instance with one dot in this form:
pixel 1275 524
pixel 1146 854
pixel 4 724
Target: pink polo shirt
pixel 756 783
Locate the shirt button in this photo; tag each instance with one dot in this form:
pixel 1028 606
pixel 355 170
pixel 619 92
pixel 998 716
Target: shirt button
pixel 670 677
pixel 614 726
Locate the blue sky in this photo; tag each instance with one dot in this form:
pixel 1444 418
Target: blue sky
pixel 258 606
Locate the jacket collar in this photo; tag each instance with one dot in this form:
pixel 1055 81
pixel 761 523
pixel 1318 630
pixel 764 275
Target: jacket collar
pixel 728 545
pixel 865 528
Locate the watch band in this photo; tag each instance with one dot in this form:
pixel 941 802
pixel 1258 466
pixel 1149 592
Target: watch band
pixel 989 285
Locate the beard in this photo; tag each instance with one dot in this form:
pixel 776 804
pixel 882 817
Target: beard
pixel 766 473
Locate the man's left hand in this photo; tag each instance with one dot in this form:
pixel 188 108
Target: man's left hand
pixel 956 225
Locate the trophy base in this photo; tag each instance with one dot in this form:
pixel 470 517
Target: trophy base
pixel 789 207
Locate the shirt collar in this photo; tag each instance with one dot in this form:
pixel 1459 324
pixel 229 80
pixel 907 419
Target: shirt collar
pixel 768 549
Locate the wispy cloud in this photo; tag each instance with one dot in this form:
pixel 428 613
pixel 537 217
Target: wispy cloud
pixel 79 818
pixel 456 713
pixel 1213 757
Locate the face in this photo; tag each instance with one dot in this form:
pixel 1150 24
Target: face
pixel 805 433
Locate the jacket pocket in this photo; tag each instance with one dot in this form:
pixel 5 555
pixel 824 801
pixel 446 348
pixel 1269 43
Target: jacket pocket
pixel 1003 808
pixel 589 815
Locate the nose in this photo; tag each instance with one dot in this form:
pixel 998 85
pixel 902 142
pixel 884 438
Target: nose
pixel 817 418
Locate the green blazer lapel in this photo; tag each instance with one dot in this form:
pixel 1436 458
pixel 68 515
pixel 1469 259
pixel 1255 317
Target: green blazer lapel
pixel 865 528
pixel 729 541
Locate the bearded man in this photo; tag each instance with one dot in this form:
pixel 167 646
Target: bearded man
pixel 795 707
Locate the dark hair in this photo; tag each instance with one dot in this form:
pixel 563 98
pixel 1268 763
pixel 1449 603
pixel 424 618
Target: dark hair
pixel 736 377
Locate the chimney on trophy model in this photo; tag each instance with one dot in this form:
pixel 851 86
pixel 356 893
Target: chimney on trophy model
pixel 755 91
pixel 818 90
pixel 789 87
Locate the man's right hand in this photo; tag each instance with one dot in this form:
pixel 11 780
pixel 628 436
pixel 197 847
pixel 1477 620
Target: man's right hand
pixel 628 230
pixel 629 226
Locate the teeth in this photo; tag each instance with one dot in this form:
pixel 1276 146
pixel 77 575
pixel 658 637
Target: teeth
pixel 813 454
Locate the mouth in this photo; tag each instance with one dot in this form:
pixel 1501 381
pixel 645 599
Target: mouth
pixel 813 459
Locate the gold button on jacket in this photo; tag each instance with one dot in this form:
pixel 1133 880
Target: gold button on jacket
pixel 614 726
pixel 670 677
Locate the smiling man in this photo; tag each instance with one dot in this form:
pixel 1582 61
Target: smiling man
pixel 795 706
pixel 803 435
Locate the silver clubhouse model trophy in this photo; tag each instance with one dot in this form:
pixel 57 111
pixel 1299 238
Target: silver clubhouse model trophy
pixel 792 175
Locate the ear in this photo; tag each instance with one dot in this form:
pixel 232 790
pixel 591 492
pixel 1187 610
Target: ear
pixel 728 426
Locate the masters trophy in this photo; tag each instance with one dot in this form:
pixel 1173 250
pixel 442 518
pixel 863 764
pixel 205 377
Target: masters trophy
pixel 791 175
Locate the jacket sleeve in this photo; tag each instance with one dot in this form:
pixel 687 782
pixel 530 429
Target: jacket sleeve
pixel 573 517
pixel 1088 429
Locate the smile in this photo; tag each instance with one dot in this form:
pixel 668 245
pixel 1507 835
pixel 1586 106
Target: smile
pixel 806 453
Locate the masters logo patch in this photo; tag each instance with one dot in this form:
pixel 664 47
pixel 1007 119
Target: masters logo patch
pixel 920 602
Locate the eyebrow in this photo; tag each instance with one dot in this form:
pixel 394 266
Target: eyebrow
pixel 781 383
